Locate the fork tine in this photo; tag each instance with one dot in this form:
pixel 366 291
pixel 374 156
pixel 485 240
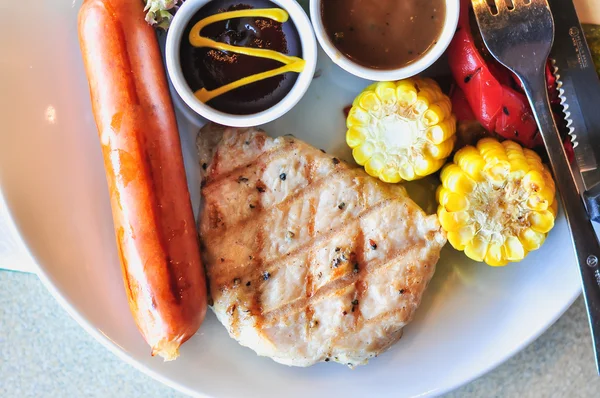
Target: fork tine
pixel 483 12
pixel 520 3
pixel 501 6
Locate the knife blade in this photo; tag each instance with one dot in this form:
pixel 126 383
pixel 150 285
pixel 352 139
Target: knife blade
pixel 579 91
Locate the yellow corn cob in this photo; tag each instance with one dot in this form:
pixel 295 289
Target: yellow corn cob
pixel 401 130
pixel 496 202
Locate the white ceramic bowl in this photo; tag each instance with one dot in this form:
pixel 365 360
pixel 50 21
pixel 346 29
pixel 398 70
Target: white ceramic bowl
pixel 412 69
pixel 309 53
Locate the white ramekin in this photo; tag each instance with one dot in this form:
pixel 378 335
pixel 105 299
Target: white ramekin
pixel 414 68
pixel 309 54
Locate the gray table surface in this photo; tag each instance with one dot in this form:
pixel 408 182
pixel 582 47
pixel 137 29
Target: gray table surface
pixel 45 353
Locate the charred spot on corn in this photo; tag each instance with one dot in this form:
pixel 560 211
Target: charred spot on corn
pixel 342 206
pixel 372 244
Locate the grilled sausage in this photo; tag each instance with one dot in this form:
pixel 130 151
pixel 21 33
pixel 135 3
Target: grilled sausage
pixel 152 214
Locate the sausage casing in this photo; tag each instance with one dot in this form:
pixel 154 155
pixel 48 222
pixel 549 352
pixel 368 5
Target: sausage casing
pixel 152 213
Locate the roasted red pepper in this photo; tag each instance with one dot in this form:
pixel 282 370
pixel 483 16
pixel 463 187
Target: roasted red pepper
pixel 497 106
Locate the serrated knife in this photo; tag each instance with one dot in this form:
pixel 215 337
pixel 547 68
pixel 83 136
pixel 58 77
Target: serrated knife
pixel 579 90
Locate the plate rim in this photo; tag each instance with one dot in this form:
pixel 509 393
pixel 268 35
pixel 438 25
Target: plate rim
pixel 122 354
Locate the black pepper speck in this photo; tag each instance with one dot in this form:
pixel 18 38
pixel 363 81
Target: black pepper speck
pixel 336 262
pixel 282 176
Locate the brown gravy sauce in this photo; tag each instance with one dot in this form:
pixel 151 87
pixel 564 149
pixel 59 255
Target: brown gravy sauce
pixel 383 34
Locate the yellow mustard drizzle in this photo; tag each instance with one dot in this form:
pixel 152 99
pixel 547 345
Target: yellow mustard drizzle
pixel 290 64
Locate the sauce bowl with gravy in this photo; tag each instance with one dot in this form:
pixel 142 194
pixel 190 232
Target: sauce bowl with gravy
pixel 384 40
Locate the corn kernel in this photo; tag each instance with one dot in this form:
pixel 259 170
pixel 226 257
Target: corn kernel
pixel 357 117
pixel 456 180
pixel 374 165
pixel 452 221
pixel 421 105
pixel 441 132
pixel 477 248
pixel 386 91
pixel 390 175
pixel 459 238
pixel 445 105
pixel 406 93
pixel 513 249
pixel 532 156
pixel 497 172
pixel 355 136
pixel 453 201
pixel 439 192
pixel 433 115
pixel 533 181
pixel 442 150
pixel 363 152
pixel 531 240
pixel 537 202
pixel 370 102
pixel 426 165
pixel 494 256
pixel 469 159
pixel 407 172
pixel 541 221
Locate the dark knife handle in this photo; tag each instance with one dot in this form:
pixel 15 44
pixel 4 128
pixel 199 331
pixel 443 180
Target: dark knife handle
pixel 592 202
pixel 585 243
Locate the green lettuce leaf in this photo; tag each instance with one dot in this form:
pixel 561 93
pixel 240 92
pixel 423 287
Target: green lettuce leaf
pixel 160 12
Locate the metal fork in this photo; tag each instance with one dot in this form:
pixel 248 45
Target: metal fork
pixel 519 34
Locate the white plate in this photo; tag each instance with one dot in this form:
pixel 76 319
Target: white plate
pixel 473 317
